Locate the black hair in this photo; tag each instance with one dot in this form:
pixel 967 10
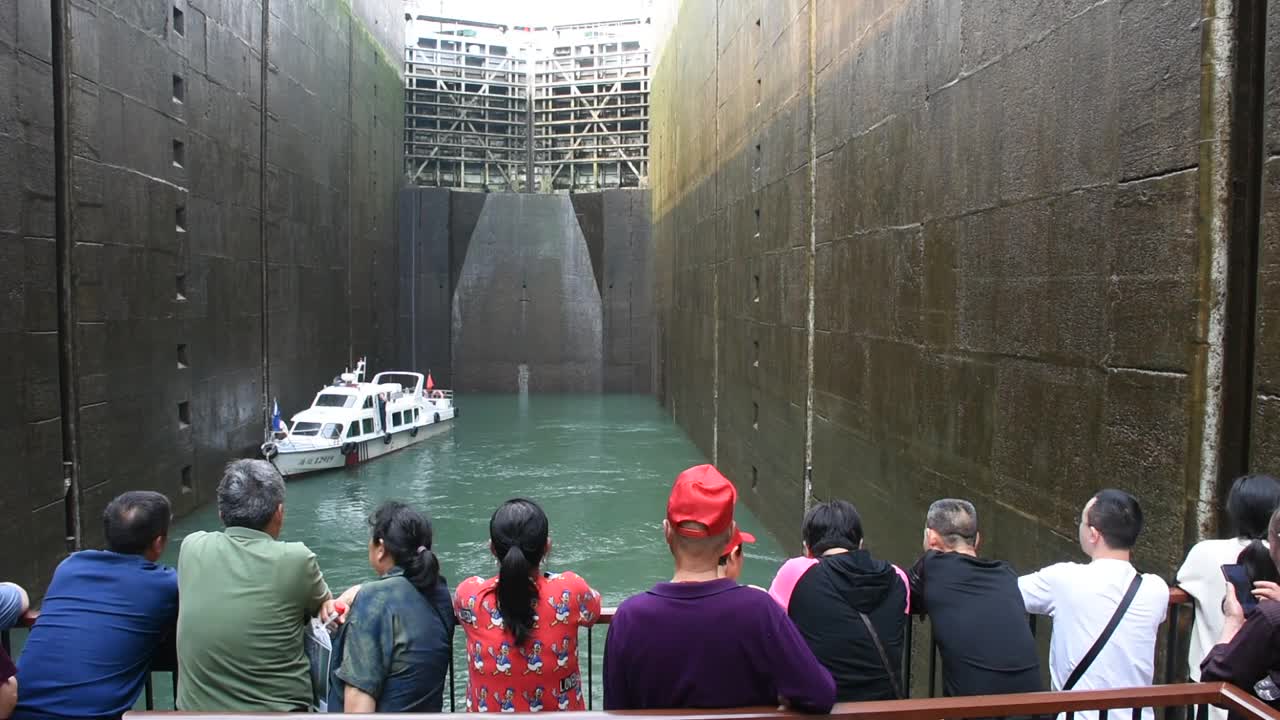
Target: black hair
pixel 1250 503
pixel 1256 560
pixel 134 520
pixel 518 531
pixel 1117 516
pixel 955 520
pixel 832 525
pixel 405 534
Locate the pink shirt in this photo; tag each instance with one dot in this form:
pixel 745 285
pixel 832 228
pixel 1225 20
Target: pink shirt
pixel 792 570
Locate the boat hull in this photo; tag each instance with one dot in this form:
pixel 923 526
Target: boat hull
pixel 292 463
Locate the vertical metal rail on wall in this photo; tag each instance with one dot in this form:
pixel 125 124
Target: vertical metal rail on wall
pixel 264 72
pixel 64 251
pixel 1171 653
pixel 1245 189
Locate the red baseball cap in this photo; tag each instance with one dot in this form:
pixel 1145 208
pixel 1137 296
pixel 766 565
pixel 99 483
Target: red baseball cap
pixel 738 538
pixel 702 495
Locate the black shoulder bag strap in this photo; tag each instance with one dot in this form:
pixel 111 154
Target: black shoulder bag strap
pixel 884 656
pixel 1101 642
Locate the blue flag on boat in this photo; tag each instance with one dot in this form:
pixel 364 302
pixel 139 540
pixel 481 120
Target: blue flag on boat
pixel 276 422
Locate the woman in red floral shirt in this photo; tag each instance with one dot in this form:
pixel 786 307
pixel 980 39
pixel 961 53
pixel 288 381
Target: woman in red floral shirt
pixel 522 625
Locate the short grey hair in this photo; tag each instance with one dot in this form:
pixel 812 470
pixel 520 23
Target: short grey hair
pixel 955 520
pixel 249 493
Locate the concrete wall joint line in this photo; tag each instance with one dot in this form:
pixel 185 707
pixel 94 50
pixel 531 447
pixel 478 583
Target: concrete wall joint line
pixel 1146 371
pixel 139 173
pixel 1158 175
pixel 997 59
pixel 715 276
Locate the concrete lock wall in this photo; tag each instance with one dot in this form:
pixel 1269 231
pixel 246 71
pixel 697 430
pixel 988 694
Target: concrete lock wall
pixel 551 288
pixel 170 171
pixel 1003 251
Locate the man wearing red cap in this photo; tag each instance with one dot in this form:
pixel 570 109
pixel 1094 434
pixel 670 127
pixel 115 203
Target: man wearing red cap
pixel 702 641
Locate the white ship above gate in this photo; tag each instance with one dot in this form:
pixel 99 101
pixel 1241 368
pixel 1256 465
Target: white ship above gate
pixel 352 421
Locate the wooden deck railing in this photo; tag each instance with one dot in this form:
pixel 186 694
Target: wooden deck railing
pixel 1180 605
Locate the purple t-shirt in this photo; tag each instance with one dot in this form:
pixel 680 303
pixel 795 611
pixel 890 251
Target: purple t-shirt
pixel 713 644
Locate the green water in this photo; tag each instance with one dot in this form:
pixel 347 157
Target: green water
pixel 601 467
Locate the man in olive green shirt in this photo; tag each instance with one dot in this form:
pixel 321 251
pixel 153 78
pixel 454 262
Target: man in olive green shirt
pixel 244 599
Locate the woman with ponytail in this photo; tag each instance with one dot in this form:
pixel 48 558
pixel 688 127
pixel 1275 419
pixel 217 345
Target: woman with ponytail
pixel 1252 500
pixel 522 625
pixel 392 653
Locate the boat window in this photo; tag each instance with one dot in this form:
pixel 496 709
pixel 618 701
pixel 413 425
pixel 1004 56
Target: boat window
pixel 335 400
pixel 415 414
pixel 306 428
pixel 368 425
pixel 397 418
pixel 368 402
pixel 353 429
pixel 331 431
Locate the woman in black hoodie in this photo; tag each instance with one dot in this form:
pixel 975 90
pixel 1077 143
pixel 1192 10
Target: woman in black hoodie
pixel 851 608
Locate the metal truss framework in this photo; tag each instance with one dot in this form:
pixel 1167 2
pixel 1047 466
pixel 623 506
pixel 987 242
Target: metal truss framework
pixel 591 113
pixel 466 115
pixel 468 122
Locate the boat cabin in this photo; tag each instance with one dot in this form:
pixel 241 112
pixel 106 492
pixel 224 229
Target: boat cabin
pixel 350 411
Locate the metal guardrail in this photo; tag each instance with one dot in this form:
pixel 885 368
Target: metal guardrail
pixel 1181 609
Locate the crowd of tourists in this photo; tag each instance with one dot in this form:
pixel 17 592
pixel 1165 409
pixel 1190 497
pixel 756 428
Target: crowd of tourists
pixel 829 628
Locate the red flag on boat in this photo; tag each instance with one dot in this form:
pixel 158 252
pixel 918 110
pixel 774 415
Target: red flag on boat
pixel 431 384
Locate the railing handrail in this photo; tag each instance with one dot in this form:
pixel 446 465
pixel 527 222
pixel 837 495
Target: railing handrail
pixel 1051 703
pixel 955 708
pixel 166 661
pixel 1177 596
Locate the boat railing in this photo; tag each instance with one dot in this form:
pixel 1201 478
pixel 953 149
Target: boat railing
pixel 1121 704
pixel 1171 671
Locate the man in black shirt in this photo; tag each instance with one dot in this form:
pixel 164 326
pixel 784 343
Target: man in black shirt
pixel 975 608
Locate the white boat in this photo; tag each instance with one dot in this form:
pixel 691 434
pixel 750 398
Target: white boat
pixel 352 421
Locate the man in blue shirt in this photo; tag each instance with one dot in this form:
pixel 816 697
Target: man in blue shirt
pixel 13 605
pixel 103 617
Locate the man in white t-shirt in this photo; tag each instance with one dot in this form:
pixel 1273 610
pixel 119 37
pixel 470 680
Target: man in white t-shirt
pixel 1082 598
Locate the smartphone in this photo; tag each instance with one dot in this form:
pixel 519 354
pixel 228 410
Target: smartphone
pixel 1238 576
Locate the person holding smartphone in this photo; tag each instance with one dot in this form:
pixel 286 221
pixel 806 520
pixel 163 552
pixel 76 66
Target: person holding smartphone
pixel 1252 500
pixel 1248 650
